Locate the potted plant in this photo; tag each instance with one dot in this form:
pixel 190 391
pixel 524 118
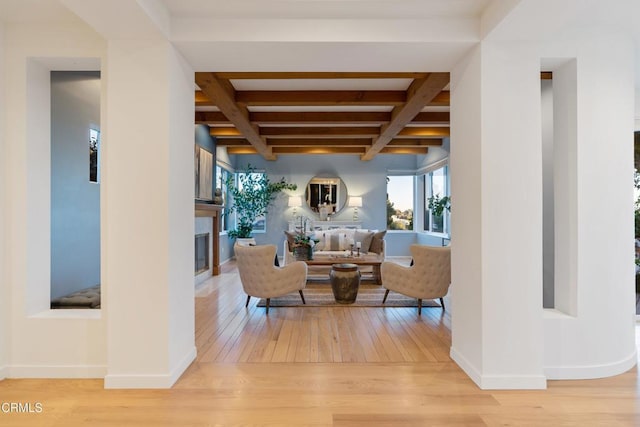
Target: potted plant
pixel 251 198
pixel 438 204
pixel 303 243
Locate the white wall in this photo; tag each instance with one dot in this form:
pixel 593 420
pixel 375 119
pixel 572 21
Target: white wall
pixel 148 193
pixel 75 201
pixel 597 338
pixel 4 283
pixel 637 110
pixel 497 220
pixel 366 179
pixel 466 216
pixel 74 342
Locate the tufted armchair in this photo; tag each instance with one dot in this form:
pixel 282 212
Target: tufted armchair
pixel 261 279
pixel 429 277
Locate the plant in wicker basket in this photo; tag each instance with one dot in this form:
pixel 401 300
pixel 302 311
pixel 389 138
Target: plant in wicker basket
pixel 303 243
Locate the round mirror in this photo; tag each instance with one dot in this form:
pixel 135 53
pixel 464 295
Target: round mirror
pixel 325 196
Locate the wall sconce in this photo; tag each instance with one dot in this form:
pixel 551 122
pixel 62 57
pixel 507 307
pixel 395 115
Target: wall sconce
pixel 355 203
pixel 295 202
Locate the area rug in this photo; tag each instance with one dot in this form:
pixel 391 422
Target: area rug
pixel 321 295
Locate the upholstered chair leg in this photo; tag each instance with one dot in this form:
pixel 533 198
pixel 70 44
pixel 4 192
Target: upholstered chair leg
pixel 442 303
pixel 419 307
pixel 385 296
pixel 302 296
pixel 247 303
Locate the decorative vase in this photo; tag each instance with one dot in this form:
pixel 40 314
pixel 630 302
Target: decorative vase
pixel 345 281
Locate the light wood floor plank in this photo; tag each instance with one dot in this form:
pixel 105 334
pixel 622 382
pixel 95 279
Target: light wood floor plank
pixel 365 381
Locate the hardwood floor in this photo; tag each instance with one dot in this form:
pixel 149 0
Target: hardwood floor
pixel 321 367
pixel 227 332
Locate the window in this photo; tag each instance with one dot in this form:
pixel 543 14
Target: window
pixel 436 187
pixel 260 222
pixel 222 175
pixel 400 202
pixel 94 155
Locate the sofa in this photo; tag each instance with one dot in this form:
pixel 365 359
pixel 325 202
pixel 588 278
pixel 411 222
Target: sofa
pixel 336 242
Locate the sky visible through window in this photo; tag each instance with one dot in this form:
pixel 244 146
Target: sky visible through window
pixel 400 190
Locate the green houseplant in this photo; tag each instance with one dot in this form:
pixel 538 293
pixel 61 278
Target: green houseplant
pixel 251 197
pixel 438 204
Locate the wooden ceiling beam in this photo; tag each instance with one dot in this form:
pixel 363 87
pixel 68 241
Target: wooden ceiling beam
pixel 201 98
pixel 420 93
pixel 313 117
pixel 218 91
pixel 305 98
pixel 425 132
pixel 233 142
pixel 318 75
pixel 322 117
pixel 211 118
pixel 431 118
pixel 442 99
pixel 326 131
pixel 319 150
pixel 415 142
pixel 404 150
pixel 249 149
pixel 325 142
pixel 225 132
pixel 242 150
pixel 320 97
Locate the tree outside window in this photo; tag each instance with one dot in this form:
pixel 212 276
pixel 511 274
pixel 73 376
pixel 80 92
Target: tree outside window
pixel 400 202
pixel 437 201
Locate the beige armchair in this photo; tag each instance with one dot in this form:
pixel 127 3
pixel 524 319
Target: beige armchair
pixel 262 279
pixel 428 278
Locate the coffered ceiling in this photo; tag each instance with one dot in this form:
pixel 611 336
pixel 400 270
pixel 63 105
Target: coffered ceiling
pixel 359 113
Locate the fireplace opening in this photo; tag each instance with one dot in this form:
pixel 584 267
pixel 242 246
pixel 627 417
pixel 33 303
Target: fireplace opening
pixel 201 253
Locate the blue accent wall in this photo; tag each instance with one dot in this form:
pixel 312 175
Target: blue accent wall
pixel 204 139
pixel 367 179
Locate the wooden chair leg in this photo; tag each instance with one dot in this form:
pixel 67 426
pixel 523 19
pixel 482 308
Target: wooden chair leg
pixel 267 307
pixel 385 296
pixel 302 296
pixel 442 303
pixel 247 303
pixel 419 307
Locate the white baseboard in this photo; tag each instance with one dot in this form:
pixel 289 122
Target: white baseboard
pixel 498 382
pixel 591 371
pixel 151 381
pixel 3 372
pixel 53 371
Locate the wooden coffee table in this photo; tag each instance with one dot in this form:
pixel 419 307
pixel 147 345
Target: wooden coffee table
pixel 330 260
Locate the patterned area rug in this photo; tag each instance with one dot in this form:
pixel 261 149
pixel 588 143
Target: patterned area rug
pixel 321 295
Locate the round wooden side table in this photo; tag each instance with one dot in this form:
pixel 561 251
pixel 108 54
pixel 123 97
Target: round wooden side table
pixel 345 281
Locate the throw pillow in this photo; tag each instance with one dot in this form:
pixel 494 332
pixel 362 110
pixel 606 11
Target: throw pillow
pixel 377 242
pixel 335 242
pixel 364 237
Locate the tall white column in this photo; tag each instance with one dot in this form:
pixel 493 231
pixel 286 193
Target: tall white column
pixel 496 188
pixel 148 214
pixel 591 331
pixel 4 286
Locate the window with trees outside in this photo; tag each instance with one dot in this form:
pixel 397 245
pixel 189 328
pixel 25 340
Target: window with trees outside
pixel 222 175
pixel 436 187
pixel 260 224
pixel 400 202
